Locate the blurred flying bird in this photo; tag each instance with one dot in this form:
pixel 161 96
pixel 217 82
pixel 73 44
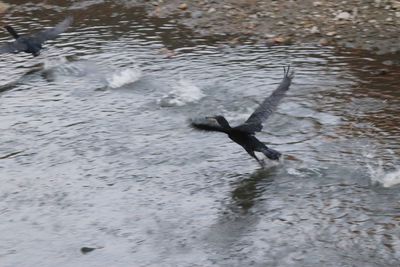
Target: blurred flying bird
pixel 33 43
pixel 244 134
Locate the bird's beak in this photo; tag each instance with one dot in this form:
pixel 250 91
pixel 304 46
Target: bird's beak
pixel 211 118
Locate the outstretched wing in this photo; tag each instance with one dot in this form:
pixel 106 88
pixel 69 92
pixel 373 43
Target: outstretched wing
pixel 54 32
pixel 12 47
pixel 268 106
pixel 206 125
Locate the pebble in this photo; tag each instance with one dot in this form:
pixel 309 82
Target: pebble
pixel 395 5
pixel 3 7
pixel 387 62
pixel 317 3
pixel 314 30
pixel 279 40
pixel 269 35
pixel 343 16
pixel 211 10
pixel 323 41
pixel 349 45
pixel 330 34
pixel 183 6
pixel 197 14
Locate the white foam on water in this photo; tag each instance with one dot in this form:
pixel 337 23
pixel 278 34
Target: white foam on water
pixel 184 92
pixel 382 177
pixel 378 169
pixel 123 77
pixel 61 67
pixel 51 63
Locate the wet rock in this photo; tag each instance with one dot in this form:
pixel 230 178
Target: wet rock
pixel 86 250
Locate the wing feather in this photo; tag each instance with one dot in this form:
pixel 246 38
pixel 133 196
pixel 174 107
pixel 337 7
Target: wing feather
pixel 52 33
pixel 206 125
pixel 268 106
pixel 12 47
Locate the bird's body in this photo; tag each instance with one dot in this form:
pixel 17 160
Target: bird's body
pixel 244 134
pixel 33 44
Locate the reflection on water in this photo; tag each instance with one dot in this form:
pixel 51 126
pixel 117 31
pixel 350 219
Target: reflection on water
pixel 250 190
pixel 96 150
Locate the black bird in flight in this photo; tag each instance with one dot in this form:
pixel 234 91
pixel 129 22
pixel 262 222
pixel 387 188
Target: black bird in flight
pixel 244 134
pixel 33 44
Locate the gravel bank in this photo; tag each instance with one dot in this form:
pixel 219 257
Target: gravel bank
pixel 359 24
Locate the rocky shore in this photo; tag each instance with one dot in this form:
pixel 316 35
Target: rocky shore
pixel 372 25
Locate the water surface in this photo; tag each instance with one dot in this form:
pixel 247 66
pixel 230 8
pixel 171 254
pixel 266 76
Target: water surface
pixel 96 149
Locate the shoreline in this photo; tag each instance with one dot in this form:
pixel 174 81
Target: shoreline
pixel 354 24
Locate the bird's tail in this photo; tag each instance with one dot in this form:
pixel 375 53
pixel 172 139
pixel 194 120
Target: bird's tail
pixel 12 31
pixel 271 154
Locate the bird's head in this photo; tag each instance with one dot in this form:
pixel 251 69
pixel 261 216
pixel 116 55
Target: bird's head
pixel 37 49
pixel 33 48
pixel 221 121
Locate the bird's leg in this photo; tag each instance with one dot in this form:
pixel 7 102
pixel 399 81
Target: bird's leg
pixel 261 162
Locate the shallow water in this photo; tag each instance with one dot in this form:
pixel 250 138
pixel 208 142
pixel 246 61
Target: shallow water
pixel 96 150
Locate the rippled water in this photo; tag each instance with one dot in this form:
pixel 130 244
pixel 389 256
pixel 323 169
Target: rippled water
pixel 96 150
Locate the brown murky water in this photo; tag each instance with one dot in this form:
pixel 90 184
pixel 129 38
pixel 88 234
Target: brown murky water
pixel 96 151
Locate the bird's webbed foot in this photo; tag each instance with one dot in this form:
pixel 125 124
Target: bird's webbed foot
pixel 271 153
pixel 262 163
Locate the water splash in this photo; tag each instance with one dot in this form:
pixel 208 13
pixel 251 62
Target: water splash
pixel 61 67
pixel 52 63
pixel 123 77
pixel 184 92
pixel 380 176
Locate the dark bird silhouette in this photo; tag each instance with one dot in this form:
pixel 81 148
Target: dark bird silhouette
pixel 33 44
pixel 244 134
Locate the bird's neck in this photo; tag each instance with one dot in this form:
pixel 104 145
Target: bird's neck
pixel 224 124
pixel 12 31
